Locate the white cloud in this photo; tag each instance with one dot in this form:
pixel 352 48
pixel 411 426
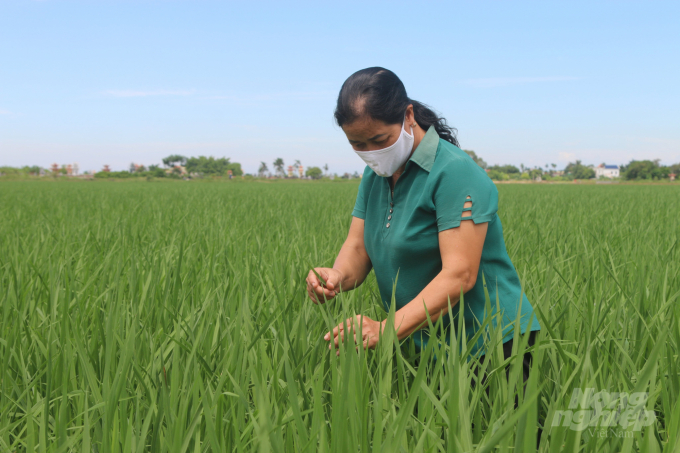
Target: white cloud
pixel 139 93
pixel 492 82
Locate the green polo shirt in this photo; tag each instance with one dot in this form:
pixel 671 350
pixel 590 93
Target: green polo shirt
pixel 401 234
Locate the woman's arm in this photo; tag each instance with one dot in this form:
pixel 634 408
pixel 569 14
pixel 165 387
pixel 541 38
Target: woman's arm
pixel 349 270
pixel 461 252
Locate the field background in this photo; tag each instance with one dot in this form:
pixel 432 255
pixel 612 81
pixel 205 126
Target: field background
pixel 171 317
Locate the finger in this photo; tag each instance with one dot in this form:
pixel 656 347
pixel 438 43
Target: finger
pixel 334 332
pixel 312 279
pixel 339 338
pixel 347 324
pixel 365 340
pixel 331 280
pixel 326 276
pixel 309 286
pixel 317 294
pixel 323 292
pixel 310 291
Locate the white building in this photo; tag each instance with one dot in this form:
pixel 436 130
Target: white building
pixel 607 171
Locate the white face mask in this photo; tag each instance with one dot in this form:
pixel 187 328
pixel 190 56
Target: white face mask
pixel 384 162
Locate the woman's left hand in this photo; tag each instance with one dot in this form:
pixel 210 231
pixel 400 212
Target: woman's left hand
pixel 370 331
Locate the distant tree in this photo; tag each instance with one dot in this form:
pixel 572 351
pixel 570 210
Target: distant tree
pixel 262 170
pixel 579 171
pixel 174 159
pixel 498 175
pixel 356 175
pixel 279 164
pixel 211 166
pixel 133 168
pixel 535 173
pixel 34 170
pixel 478 160
pixel 314 172
pixel 509 169
pixel 646 169
pixel 675 169
pixel 325 168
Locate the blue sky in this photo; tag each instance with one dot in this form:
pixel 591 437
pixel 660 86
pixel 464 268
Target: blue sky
pixel 114 82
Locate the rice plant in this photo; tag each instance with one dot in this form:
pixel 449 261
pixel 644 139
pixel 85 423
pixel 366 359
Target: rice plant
pixel 172 317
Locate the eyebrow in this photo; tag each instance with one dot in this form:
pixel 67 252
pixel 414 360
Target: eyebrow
pixel 369 140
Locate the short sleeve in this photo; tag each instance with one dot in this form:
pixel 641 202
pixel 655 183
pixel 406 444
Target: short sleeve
pixel 360 204
pixel 457 182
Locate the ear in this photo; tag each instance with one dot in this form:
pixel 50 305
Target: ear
pixel 410 118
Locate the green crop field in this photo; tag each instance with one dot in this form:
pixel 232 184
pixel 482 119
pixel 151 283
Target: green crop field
pixel 172 317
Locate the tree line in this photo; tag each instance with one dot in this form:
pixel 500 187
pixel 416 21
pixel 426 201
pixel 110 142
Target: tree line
pixel 178 166
pixel 633 171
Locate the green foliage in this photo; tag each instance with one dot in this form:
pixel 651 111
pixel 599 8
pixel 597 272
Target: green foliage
pixel 11 171
pixel 645 169
pixel 173 318
pixel 579 171
pixel 278 165
pixel 509 169
pixel 116 174
pixel 498 175
pixel 211 166
pixel 174 159
pixel 478 160
pixel 314 172
pixel 675 169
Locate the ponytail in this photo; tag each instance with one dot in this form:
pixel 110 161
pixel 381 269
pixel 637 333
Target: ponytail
pixel 426 117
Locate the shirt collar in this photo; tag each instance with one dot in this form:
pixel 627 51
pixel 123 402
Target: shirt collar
pixel 426 150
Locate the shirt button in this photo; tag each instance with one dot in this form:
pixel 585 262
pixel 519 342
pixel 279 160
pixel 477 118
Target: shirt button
pixel 387 226
pixel 390 211
pixel 391 204
pixel 389 217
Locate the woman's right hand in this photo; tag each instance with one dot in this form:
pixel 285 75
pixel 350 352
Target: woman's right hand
pixel 317 291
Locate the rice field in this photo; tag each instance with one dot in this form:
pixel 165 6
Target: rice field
pixel 172 317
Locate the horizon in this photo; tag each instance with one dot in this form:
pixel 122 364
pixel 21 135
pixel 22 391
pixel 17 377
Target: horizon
pixel 534 84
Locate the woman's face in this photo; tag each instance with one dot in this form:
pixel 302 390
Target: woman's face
pixel 367 134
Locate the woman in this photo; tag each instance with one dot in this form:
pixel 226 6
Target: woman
pixel 426 211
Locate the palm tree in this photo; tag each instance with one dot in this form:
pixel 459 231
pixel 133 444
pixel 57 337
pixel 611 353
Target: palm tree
pixel 263 169
pixel 278 164
pixel 325 168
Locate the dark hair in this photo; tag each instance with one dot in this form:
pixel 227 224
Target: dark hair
pixel 378 93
